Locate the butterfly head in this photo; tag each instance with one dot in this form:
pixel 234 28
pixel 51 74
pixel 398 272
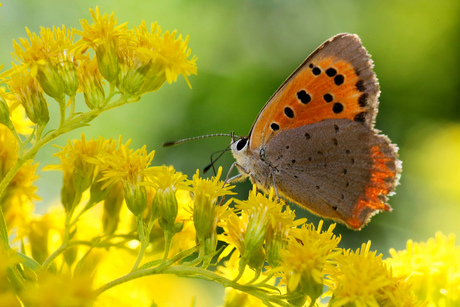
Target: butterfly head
pixel 240 150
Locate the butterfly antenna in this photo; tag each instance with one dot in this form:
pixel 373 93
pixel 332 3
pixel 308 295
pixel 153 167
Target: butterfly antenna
pixel 215 160
pixel 173 143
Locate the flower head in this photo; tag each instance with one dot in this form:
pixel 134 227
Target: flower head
pixel 59 290
pixel 90 80
pixel 49 58
pixel 167 182
pixel 262 213
pixel 304 258
pixel 104 36
pixel 206 211
pixel 78 163
pixel 249 231
pixel 17 199
pixel 432 267
pixel 168 52
pixel 20 122
pixel 29 93
pixel 363 279
pixel 130 168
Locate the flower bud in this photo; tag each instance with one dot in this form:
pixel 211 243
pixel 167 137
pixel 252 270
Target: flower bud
pixel 133 80
pixel 27 90
pixel 135 197
pixel 97 194
pixel 257 259
pixel 95 95
pixel 68 192
pixel 5 113
pixel 155 77
pixel 51 81
pixel 90 83
pixel 83 173
pixel 166 202
pixel 69 77
pixel 107 60
pixel 70 255
pixel 256 232
pixel 38 237
pixel 112 207
pixel 274 242
pixel 36 108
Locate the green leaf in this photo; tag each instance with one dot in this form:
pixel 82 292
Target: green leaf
pixel 28 262
pixel 3 232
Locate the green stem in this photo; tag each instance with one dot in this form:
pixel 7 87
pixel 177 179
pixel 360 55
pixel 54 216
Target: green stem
pixel 66 237
pixel 70 125
pixel 72 106
pixel 53 256
pixel 3 231
pixel 64 127
pixel 268 297
pixel 61 112
pixel 144 238
pixel 15 133
pixel 168 239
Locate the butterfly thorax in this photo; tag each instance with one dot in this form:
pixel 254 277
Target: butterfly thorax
pixel 251 163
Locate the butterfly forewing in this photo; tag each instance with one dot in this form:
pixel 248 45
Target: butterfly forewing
pixel 335 81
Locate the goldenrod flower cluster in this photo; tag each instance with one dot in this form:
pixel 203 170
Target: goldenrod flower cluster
pixel 122 220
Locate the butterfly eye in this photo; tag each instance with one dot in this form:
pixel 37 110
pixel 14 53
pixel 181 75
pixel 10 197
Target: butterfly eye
pixel 241 143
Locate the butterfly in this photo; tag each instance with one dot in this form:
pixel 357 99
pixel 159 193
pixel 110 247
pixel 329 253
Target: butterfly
pixel 314 141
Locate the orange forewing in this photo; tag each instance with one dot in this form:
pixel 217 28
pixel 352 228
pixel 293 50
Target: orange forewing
pixel 347 94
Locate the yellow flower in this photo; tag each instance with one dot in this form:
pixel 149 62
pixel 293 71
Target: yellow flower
pixel 124 164
pixel 7 290
pixel 167 182
pixel 29 93
pixel 277 234
pixel 182 240
pixel 49 58
pixel 52 290
pixel 206 211
pixel 433 268
pixel 78 163
pixel 5 113
pixel 21 124
pixel 167 53
pixel 234 228
pixel 104 37
pixel 361 278
pixel 131 168
pixel 91 84
pixel 17 199
pixel 137 61
pixel 236 298
pixel 304 258
pixel 262 212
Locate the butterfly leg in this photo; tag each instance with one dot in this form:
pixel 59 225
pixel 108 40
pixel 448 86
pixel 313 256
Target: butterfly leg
pixel 274 184
pixel 241 176
pixel 235 178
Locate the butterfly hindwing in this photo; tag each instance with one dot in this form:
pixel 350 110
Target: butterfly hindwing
pixel 336 168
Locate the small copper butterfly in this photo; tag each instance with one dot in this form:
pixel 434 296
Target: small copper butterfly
pixel 314 141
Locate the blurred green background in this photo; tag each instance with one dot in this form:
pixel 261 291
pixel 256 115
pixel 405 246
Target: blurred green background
pixel 245 51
